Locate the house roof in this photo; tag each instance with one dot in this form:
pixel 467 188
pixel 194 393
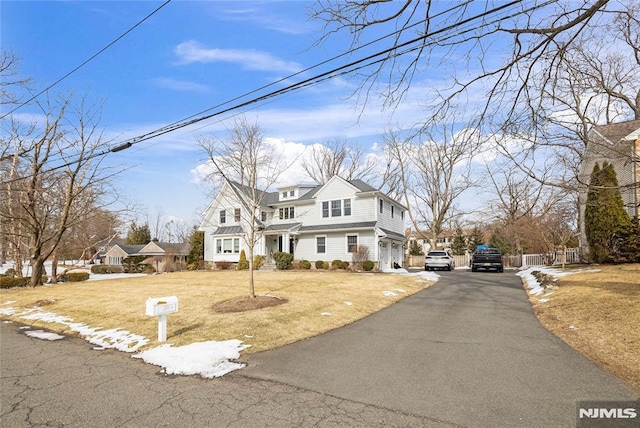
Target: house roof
pixel 616 132
pixel 131 249
pixel 273 198
pixel 392 234
pixel 360 225
pixel 287 226
pixel 174 248
pixel 228 230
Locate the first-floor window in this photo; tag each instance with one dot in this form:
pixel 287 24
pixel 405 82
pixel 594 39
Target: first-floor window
pixel 228 246
pixel 321 244
pixel 352 243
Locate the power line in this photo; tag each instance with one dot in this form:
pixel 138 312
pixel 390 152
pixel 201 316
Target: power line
pixel 87 60
pixel 338 71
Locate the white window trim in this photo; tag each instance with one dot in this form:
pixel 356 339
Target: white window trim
pixel 326 244
pixel 346 242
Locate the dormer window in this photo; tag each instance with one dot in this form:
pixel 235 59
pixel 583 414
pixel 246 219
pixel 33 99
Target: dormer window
pixel 292 193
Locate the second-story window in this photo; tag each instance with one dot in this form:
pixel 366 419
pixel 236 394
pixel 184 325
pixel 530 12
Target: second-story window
pixel 286 213
pixel 381 205
pixel 223 216
pixel 336 208
pixel 263 216
pixel 347 206
pixel 236 215
pixel 325 209
pixel 391 211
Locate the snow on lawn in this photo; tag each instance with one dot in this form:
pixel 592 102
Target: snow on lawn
pixel 534 285
pixel 208 359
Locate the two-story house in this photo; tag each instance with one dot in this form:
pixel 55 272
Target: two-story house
pixel 313 222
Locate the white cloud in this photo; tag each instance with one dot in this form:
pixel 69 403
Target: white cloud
pixel 193 52
pixel 180 85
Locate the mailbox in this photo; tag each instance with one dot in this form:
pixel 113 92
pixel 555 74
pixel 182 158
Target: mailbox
pixel 162 305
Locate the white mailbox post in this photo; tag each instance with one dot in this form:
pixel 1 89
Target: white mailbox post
pixel 160 307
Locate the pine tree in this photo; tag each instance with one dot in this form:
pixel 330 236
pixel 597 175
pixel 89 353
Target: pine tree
pixel 604 215
pixel 459 242
pixel 243 263
pixel 138 235
pixel 415 249
pixel 476 238
pixel 196 253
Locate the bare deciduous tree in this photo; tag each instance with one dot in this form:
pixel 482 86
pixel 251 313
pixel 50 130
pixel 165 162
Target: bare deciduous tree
pixel 337 157
pixel 55 178
pixel 250 167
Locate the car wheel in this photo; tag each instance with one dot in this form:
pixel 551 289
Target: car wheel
pixel 473 269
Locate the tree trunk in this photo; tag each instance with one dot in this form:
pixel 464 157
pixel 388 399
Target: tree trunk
pixel 37 270
pixel 54 267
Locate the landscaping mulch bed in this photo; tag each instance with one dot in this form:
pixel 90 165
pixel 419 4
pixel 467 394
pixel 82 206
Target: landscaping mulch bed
pixel 246 303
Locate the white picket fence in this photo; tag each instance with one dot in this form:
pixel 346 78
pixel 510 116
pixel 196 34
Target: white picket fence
pixel 570 255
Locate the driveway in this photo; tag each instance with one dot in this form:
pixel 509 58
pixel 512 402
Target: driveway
pixel 468 351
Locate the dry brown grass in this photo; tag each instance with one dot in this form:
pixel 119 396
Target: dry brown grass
pixel 120 303
pixel 598 313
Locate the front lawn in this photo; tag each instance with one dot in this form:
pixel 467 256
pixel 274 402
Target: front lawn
pixel 598 313
pixel 316 302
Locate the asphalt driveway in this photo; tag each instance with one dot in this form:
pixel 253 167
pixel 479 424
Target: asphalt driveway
pixel 468 351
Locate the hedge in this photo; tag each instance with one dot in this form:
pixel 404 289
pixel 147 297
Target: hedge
pixel 106 269
pixel 75 276
pixel 9 282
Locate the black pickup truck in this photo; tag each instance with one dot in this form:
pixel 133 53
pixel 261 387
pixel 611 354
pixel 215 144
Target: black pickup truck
pixel 487 258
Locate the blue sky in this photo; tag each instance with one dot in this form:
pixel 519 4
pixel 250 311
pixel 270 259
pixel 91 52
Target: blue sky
pixel 191 56
pixel 186 58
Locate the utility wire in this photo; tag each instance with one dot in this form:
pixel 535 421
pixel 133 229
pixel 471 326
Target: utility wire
pixel 344 69
pixel 87 60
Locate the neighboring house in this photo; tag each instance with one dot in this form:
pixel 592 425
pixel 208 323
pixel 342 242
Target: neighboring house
pixel 118 252
pixel 313 222
pixel 618 144
pixel 160 255
pixel 165 255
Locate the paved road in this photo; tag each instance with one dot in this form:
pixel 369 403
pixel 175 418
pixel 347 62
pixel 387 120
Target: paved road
pixel 67 384
pixel 468 351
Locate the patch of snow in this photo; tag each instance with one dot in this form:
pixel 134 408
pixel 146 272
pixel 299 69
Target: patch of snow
pixel 7 311
pixel 389 293
pixel 122 340
pixel 573 327
pixel 400 290
pixel 8 302
pixel 207 359
pixel 325 314
pixel 39 334
pixel 543 300
pixel 428 276
pixel 348 303
pixel 102 276
pixel 401 270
